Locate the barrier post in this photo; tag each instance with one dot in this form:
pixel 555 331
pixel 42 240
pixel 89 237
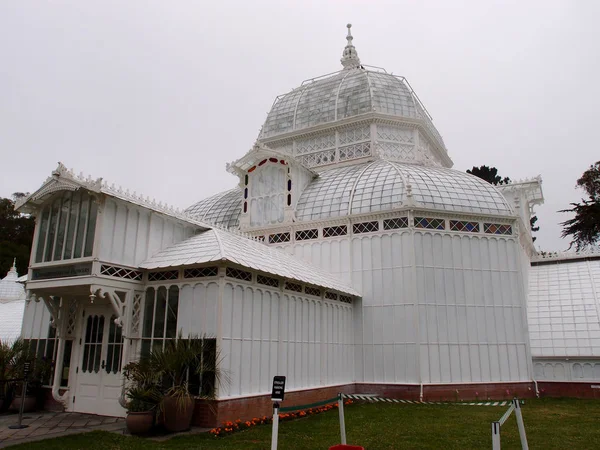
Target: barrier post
pixel 18 426
pixel 275 426
pixel 342 421
pixel 495 435
pixel 520 424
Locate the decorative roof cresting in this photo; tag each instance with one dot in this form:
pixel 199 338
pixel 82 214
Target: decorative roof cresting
pixel 350 59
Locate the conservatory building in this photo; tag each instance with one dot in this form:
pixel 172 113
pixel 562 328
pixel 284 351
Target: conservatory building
pixel 349 257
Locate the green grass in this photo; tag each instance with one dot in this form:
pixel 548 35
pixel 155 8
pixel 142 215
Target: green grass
pixel 550 424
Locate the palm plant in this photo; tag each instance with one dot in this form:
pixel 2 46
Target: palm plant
pixel 179 360
pixel 142 387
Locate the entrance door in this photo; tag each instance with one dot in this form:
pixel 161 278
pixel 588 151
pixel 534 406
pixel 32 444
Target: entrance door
pixel 99 372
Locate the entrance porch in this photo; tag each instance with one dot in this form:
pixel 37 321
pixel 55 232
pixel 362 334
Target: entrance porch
pixel 91 325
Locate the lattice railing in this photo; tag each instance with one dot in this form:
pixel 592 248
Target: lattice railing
pixel 312 291
pixel 279 237
pixel 340 230
pixel 365 227
pixel 464 225
pixel 201 272
pixel 395 223
pixel 303 235
pixel 430 223
pixel 163 275
pixel 497 228
pixel 238 274
pixel 121 272
pixel 136 313
pixel 267 281
pixel 355 151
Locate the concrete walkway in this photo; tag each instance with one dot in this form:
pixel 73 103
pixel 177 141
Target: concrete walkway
pixel 46 425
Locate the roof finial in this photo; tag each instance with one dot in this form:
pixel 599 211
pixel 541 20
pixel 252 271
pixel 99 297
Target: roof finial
pixel 14 266
pixel 350 58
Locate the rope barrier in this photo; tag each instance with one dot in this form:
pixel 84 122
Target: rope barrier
pixel 309 405
pixel 375 398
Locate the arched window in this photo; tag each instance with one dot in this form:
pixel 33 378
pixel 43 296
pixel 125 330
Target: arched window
pixel 67 227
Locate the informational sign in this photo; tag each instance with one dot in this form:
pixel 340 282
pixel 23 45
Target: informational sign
pixel 74 270
pixel 278 388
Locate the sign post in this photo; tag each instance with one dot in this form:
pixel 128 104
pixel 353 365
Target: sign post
pixel 277 394
pixel 18 426
pixel 342 420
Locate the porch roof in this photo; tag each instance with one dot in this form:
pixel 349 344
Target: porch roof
pixel 218 245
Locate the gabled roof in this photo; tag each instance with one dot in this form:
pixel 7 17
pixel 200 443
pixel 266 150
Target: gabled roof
pixel 64 179
pixel 218 245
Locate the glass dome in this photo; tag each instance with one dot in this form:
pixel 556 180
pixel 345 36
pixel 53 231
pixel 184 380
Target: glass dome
pixel 347 93
pixel 382 185
pixel 222 209
pixel 372 187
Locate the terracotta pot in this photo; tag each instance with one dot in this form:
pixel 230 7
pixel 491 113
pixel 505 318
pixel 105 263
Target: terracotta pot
pixel 29 406
pixel 140 422
pixel 178 417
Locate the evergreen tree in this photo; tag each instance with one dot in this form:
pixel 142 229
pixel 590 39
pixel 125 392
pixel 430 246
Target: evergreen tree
pixel 490 174
pixel 584 228
pixel 16 236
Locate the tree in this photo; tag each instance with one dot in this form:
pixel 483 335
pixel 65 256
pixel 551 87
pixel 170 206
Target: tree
pixel 584 228
pixel 490 174
pixel 16 236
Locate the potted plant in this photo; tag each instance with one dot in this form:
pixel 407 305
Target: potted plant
pixel 143 396
pixel 175 364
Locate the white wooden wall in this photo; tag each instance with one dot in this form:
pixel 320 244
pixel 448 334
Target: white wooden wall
pixel 436 307
pixel 267 332
pixel 36 320
pixel 129 234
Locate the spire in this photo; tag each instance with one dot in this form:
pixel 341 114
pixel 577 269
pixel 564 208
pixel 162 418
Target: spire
pixel 14 266
pixel 350 58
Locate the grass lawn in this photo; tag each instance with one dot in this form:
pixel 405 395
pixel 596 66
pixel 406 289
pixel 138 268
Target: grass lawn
pixel 550 424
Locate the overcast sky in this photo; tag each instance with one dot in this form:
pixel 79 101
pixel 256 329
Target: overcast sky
pixel 158 95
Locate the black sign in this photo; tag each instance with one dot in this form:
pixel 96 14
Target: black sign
pixel 278 389
pixel 26 368
pixel 74 270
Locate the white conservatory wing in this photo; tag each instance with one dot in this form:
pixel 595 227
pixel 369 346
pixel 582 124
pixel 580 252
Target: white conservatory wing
pixel 218 245
pixel 564 306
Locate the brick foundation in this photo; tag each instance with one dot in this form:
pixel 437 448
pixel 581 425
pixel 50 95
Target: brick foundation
pixel 569 389
pixel 214 413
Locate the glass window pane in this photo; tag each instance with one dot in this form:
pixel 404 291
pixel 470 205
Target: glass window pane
pixel 145 347
pixel 52 231
pixel 39 254
pixel 85 200
pixel 62 223
pixel 172 312
pixel 91 228
pixel 161 306
pixel 66 364
pixel 148 313
pixel 72 226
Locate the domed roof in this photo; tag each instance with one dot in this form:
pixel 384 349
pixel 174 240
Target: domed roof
pixel 10 288
pixel 350 92
pixel 371 187
pixel 382 185
pixel 222 209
